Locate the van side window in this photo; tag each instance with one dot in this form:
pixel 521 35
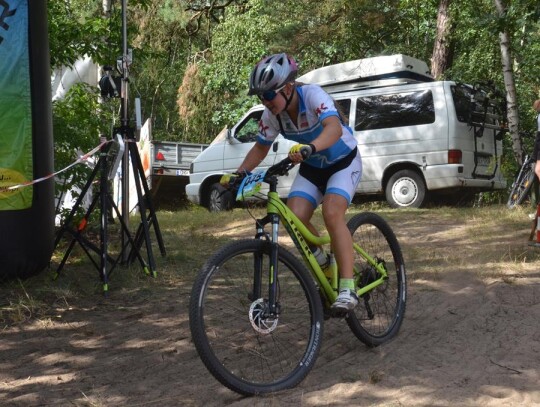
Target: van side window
pixel 343 107
pixel 394 110
pixel 473 104
pixel 462 101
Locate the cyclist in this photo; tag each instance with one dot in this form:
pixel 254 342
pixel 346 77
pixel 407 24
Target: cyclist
pixel 330 171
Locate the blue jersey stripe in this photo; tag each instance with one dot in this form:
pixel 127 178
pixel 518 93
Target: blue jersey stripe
pixel 314 106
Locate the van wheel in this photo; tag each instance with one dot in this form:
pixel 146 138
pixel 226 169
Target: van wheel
pixel 405 189
pixel 219 199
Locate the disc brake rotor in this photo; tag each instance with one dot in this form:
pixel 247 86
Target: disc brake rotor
pixel 259 318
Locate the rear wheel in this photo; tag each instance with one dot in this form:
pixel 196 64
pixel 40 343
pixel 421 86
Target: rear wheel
pixel 245 346
pixel 379 313
pixel 522 185
pixel 405 189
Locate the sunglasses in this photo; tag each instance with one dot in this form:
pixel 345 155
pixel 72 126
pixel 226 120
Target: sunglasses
pixel 270 95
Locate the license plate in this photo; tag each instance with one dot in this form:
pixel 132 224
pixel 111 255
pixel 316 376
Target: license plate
pixel 182 172
pixel 483 161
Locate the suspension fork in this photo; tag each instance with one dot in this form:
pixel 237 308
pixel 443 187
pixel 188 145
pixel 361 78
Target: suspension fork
pixel 273 307
pixel 258 261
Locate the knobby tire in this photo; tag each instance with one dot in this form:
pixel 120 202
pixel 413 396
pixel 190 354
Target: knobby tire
pixel 230 345
pixel 522 185
pixel 378 316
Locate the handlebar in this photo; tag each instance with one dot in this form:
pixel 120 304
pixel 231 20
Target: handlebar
pixel 282 168
pixel 279 169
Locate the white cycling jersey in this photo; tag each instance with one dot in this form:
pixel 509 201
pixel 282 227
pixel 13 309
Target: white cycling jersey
pixel 335 170
pixel 314 106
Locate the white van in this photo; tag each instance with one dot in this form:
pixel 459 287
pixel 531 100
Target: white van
pixel 225 154
pixel 417 137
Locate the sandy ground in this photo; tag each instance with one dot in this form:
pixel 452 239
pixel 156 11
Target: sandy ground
pixel 469 339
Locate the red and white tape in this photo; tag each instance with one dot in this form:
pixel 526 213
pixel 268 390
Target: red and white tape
pixel 79 160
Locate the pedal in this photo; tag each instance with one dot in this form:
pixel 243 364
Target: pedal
pixel 337 313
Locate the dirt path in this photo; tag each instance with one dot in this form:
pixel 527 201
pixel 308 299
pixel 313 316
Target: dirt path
pixel 471 337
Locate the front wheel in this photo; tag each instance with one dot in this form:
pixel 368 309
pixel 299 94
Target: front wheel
pixel 522 185
pixel 379 313
pixel 244 345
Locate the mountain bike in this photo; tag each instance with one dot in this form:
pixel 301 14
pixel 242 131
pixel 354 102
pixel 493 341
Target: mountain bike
pixel 257 311
pixel 522 184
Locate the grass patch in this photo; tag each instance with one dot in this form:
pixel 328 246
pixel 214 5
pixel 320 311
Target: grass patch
pixel 491 242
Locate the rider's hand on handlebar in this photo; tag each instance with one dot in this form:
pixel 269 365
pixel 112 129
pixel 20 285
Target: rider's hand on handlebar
pixel 301 152
pixel 228 180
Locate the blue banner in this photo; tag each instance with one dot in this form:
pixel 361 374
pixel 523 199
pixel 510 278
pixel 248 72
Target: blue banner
pixel 16 166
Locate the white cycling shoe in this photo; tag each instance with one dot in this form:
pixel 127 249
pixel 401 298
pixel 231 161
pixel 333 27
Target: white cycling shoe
pixel 345 301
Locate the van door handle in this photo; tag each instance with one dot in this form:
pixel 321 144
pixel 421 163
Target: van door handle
pixel 275 146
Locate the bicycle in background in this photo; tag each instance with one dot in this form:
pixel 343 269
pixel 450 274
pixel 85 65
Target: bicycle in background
pixel 521 187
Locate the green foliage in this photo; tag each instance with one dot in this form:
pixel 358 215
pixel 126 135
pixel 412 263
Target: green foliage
pixel 214 90
pixel 334 31
pixel 160 57
pixel 76 28
pixel 226 75
pixel 78 121
pixel 194 82
pixel 195 105
pixel 477 56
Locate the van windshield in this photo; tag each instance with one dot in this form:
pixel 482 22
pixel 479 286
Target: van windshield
pixel 394 110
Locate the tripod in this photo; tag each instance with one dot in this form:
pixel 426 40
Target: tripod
pixel 142 235
pixel 127 132
pixel 106 203
pixel 131 155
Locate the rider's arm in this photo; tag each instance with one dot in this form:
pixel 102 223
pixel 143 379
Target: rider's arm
pixel 330 135
pixel 254 157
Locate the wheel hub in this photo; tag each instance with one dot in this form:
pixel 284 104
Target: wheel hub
pixel 367 276
pixel 260 320
pixel 405 191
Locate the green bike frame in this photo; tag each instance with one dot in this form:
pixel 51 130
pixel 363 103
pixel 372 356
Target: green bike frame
pixel 302 237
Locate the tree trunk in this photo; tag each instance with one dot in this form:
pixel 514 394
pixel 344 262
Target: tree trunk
pixel 441 58
pixel 510 86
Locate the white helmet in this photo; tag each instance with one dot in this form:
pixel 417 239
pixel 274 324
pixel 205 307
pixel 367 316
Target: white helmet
pixel 271 73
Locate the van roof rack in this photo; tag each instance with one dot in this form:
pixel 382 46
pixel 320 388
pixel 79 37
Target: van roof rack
pixel 370 84
pixel 369 72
